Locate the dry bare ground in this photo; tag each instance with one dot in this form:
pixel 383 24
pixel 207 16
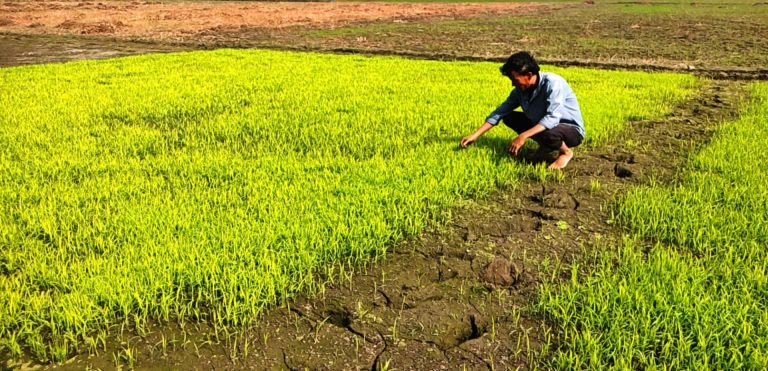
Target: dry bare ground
pixel 178 21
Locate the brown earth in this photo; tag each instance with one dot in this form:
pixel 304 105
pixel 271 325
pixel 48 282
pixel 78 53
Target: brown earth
pixel 715 39
pixel 458 296
pixel 182 21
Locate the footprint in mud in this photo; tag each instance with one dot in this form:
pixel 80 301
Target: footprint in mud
pixel 462 330
pixel 622 171
pixel 560 200
pixel 445 273
pixel 338 315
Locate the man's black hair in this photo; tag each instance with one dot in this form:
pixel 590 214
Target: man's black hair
pixel 520 62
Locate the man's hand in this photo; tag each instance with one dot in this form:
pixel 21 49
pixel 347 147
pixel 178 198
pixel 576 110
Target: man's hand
pixel 516 144
pixel 466 141
pixel 469 139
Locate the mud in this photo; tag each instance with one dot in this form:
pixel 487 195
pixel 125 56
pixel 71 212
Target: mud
pixel 458 296
pixel 35 49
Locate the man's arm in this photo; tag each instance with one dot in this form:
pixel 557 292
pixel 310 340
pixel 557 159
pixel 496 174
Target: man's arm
pixel 466 141
pixel 509 105
pixel 518 142
pixel 556 94
pixel 505 108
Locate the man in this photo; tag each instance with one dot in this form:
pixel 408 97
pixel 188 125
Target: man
pixel 551 114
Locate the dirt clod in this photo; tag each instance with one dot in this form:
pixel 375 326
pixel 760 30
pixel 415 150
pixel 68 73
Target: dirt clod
pixel 502 273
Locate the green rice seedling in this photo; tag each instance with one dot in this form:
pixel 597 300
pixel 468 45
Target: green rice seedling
pixel 208 186
pixel 594 186
pixel 696 300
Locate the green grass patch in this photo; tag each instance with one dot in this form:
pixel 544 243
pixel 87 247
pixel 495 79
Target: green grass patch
pixel 208 186
pixel 697 300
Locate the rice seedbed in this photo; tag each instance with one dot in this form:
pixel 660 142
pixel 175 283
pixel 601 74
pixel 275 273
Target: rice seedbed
pixel 696 299
pixel 208 186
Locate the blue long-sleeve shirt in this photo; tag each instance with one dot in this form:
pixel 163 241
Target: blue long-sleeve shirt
pixel 551 103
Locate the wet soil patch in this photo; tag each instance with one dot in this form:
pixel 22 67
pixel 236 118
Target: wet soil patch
pixel 35 49
pixel 459 295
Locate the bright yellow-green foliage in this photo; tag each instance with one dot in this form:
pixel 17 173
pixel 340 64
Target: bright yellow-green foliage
pixel 698 299
pixel 210 185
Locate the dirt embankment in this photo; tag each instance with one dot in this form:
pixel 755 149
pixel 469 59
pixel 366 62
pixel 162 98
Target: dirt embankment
pixel 182 21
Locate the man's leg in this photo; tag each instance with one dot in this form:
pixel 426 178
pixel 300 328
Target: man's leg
pixel 564 155
pixel 561 138
pixel 518 122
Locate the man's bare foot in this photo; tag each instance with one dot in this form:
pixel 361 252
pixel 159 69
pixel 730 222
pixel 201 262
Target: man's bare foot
pixel 562 159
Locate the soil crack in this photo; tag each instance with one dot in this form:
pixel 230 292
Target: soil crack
pixel 375 364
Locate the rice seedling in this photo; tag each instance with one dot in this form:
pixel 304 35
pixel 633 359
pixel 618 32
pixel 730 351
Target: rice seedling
pixel 697 299
pixel 594 186
pixel 208 186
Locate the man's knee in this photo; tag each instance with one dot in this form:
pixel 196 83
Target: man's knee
pixel 517 121
pixel 548 140
pixel 554 138
pixel 574 139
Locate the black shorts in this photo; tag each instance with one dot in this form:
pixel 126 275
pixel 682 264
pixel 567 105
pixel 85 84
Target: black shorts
pixel 550 139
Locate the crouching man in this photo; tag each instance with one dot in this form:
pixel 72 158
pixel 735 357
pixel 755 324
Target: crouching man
pixel 550 116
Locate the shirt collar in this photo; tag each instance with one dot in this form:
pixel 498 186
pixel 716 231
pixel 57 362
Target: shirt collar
pixel 537 88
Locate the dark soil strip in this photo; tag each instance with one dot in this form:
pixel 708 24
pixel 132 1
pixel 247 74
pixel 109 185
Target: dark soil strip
pixel 35 49
pixel 20 50
pixel 713 73
pixel 459 296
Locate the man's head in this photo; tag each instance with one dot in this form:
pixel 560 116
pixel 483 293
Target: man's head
pixel 522 69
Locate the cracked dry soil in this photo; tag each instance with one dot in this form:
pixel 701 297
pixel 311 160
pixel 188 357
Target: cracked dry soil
pixel 460 296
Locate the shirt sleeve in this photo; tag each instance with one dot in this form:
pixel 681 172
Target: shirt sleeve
pixel 505 108
pixel 555 105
